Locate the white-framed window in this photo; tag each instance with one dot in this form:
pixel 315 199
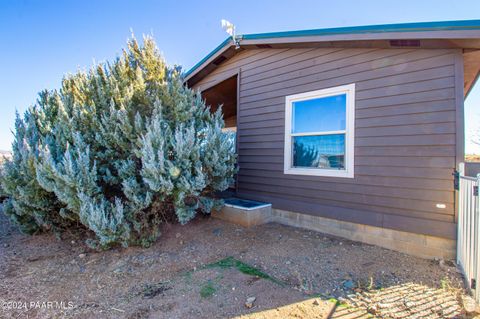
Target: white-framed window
pixel 319 132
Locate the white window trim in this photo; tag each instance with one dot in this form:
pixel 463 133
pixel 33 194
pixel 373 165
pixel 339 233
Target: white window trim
pixel 349 131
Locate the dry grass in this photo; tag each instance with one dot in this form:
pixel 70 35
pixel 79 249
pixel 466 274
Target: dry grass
pixel 472 158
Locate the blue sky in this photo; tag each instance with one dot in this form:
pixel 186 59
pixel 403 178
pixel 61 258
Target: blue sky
pixel 43 40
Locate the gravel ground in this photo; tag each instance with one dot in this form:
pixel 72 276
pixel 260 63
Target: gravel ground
pixel 209 268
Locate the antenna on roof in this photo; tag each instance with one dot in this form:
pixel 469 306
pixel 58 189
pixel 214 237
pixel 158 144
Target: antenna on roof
pixel 230 29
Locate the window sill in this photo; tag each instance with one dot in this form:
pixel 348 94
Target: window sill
pixel 318 172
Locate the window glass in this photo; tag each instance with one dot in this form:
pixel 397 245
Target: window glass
pixel 319 114
pixel 320 132
pixel 319 151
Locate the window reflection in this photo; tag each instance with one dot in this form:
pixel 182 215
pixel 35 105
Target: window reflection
pixel 320 114
pixel 321 151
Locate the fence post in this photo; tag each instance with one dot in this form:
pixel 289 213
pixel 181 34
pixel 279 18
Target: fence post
pixel 458 218
pixel 457 174
pixel 461 168
pixel 476 241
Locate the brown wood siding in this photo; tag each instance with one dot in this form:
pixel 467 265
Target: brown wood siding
pixel 405 133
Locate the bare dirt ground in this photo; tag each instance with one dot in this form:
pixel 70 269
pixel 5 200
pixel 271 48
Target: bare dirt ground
pixel 209 268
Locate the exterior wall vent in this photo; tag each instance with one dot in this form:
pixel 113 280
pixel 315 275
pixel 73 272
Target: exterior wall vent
pixel 405 43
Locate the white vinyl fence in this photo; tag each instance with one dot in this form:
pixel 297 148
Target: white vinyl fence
pixel 468 236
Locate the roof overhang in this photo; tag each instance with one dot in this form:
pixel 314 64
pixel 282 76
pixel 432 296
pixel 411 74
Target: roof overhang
pixel 447 34
pixel 471 69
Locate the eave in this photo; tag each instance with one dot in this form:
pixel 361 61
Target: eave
pixel 463 35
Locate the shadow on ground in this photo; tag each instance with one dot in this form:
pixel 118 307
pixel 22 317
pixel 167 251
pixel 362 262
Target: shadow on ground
pixel 212 269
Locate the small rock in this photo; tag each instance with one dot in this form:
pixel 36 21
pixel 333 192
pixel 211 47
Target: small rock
pixel 217 231
pixel 367 264
pixel 315 302
pixel 81 256
pixel 468 304
pixel 178 235
pixel 450 263
pixel 249 302
pixel 5 245
pixel 441 263
pixel 73 242
pixel 372 309
pixel 118 271
pixel 288 262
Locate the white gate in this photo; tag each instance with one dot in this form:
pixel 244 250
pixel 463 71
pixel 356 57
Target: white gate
pixel 468 236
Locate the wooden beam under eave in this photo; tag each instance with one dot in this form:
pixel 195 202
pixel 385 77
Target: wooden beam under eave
pixel 471 66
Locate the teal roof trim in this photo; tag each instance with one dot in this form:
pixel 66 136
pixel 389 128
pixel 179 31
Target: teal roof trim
pixel 381 28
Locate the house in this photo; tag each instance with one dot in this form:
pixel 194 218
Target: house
pixel 354 131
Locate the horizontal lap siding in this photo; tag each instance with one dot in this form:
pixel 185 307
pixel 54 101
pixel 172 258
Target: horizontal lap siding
pixel 404 134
